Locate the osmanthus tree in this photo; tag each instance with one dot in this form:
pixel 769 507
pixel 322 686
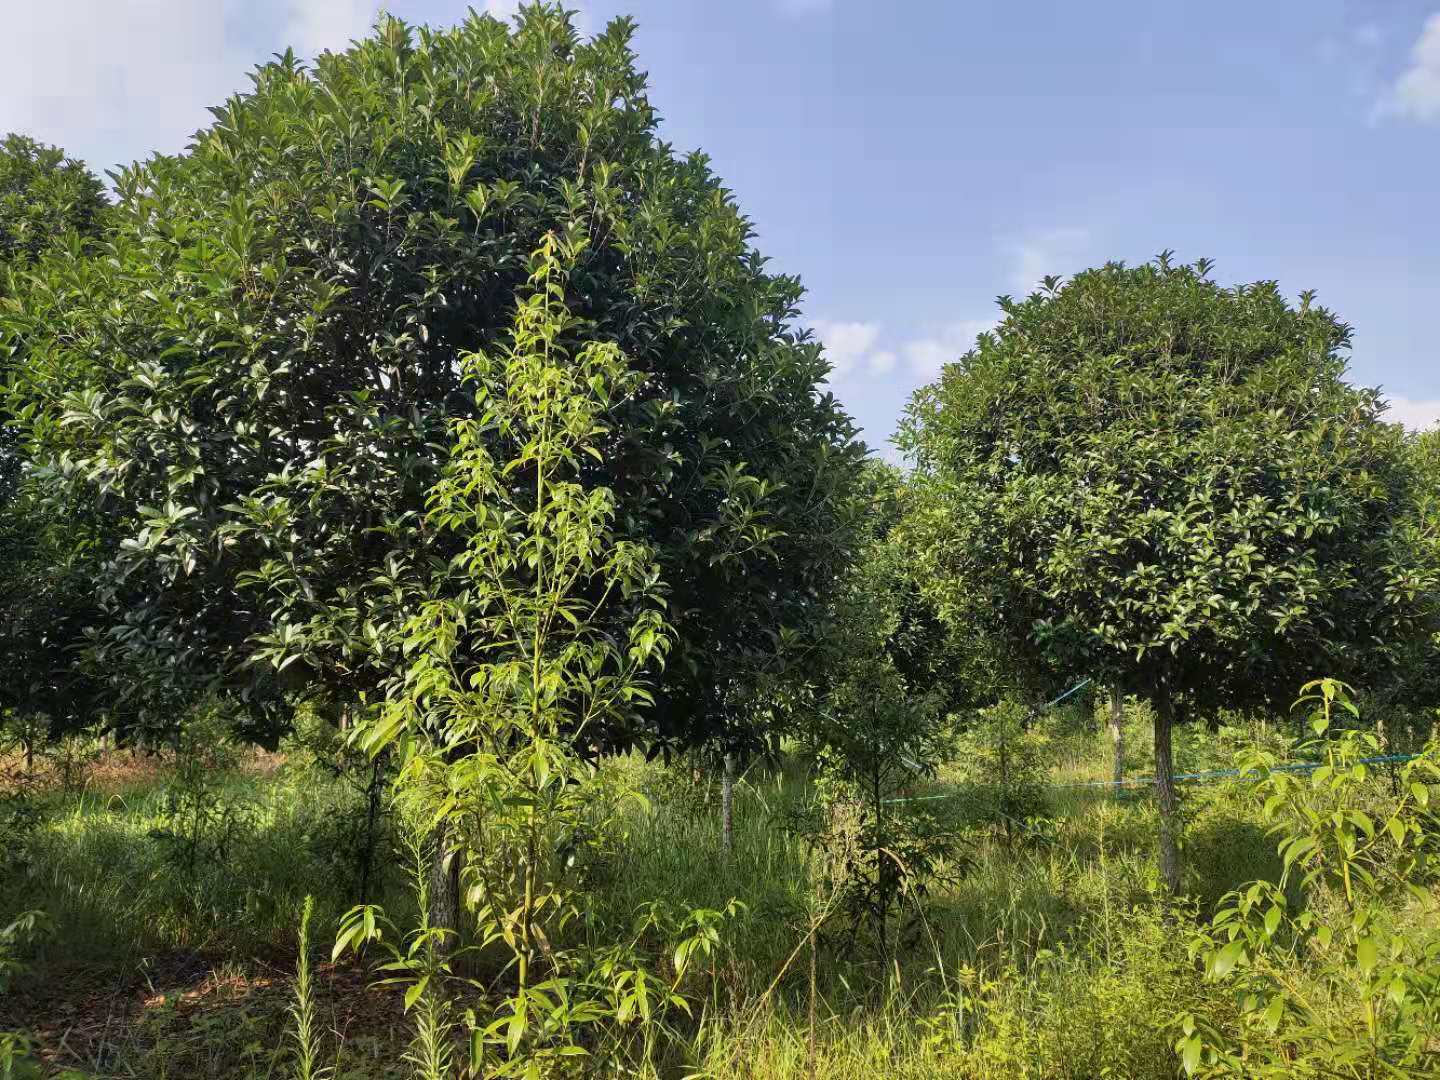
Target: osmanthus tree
pixel 46 199
pixel 1169 485
pixel 256 379
pixel 47 551
pixel 44 195
pixel 49 560
pixel 1414 685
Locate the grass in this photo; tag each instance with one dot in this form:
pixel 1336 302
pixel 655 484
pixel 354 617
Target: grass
pixel 1054 956
pixel 106 870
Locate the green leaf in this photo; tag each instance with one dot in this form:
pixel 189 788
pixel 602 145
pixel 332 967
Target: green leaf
pixel 1190 1049
pixel 1274 1013
pixel 1272 921
pixel 412 995
pixel 1225 960
pixel 1366 955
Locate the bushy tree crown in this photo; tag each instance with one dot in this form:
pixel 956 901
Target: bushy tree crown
pixel 255 376
pixel 1156 479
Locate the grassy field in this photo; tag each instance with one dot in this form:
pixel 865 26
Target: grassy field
pixel 1050 952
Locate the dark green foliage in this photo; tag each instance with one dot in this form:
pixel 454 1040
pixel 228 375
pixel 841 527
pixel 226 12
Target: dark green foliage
pixel 1168 484
pixel 1160 477
pixel 1408 698
pixel 356 842
pixel 1005 761
pixel 877 721
pixel 200 821
pixel 47 600
pixel 255 379
pixel 45 199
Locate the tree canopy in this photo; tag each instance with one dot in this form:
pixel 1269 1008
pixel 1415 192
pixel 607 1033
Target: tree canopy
pixel 255 375
pixel 1169 484
pixel 44 196
pixel 46 199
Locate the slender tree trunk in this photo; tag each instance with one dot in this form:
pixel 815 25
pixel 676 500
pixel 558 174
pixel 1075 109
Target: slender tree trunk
pixel 1003 802
pixel 1117 731
pixel 444 886
pixel 727 804
pixel 1165 789
pixel 374 793
pixel 882 879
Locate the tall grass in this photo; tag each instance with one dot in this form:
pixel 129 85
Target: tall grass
pixel 99 866
pixel 1054 954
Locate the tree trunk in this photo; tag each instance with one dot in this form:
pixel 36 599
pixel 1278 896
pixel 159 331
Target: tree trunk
pixel 444 886
pixel 1165 790
pixel 374 793
pixel 727 804
pixel 1117 731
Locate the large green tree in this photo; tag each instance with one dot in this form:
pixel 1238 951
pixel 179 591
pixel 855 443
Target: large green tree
pixel 1414 685
pixel 1169 484
pixel 43 196
pixel 47 201
pixel 256 379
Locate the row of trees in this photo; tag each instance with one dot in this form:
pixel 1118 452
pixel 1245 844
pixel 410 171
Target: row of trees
pixel 235 394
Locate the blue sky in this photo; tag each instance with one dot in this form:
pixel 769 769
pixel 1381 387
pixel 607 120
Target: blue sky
pixel 913 159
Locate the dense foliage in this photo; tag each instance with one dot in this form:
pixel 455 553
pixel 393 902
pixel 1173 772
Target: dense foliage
pixel 46 199
pixel 256 376
pixel 47 604
pixel 1151 478
pixel 431 419
pixel 48 561
pixel 43 197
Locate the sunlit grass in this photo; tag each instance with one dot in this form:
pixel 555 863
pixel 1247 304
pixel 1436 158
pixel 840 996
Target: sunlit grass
pixel 1051 953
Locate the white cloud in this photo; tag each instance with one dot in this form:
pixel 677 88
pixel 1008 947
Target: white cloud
pixel 881 363
pixel 846 343
pixel 1052 251
pixel 926 356
pixel 1416 93
pixel 857 347
pixel 1368 35
pixel 317 25
pixel 114 81
pixel 1415 415
pixel 95 72
pixel 852 348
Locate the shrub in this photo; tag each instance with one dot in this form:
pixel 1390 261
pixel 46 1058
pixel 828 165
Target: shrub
pixel 1333 973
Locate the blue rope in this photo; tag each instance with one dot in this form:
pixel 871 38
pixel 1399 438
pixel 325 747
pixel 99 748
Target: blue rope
pixel 914 767
pixel 1068 694
pixel 1301 766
